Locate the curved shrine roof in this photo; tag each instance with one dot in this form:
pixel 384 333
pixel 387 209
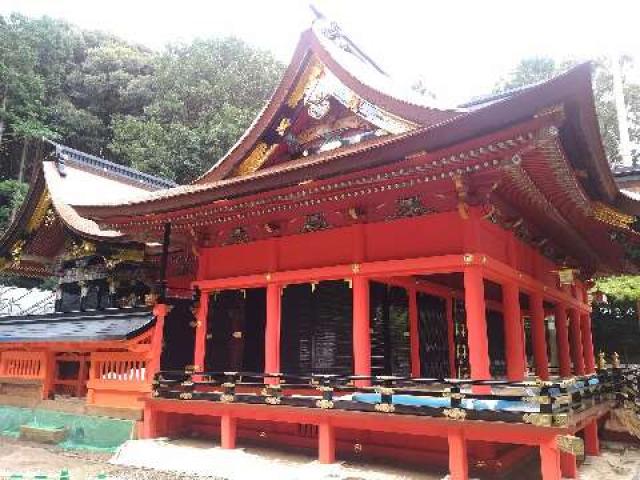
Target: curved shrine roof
pixel 64 178
pixel 116 324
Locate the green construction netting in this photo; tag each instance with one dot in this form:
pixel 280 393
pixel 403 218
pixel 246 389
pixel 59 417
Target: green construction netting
pixel 84 432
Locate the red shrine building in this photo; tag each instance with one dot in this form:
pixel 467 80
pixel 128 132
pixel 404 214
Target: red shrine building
pixel 363 274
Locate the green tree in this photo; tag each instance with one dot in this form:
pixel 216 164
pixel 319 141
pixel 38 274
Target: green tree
pixel 12 194
pixel 204 95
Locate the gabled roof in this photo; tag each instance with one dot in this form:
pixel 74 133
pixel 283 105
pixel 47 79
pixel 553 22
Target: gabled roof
pixel 64 178
pixel 573 88
pixel 354 74
pixel 117 324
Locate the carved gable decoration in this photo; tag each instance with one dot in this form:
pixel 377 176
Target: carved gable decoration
pixel 319 114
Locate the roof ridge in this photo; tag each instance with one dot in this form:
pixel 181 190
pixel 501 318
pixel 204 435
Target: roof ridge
pixel 115 169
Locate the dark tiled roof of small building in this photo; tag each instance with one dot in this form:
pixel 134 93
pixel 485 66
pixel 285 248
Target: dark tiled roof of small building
pixel 626 170
pixel 111 324
pixel 114 170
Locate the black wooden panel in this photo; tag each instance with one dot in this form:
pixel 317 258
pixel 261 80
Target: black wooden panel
pixel 333 330
pixel 461 339
pixel 380 364
pixel 495 333
pixel 316 329
pixel 390 342
pixel 399 331
pixel 226 316
pixel 434 343
pixel 255 318
pixel 297 318
pixel 179 337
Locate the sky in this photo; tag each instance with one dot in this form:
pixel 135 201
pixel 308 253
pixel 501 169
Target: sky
pixel 459 49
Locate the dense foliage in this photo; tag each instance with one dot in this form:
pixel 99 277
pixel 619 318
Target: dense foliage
pixel 616 328
pixel 171 113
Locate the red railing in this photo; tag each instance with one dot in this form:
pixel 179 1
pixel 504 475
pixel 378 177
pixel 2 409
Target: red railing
pixel 118 379
pixel 22 365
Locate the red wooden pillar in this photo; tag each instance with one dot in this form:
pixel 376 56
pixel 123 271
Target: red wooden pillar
pixel 539 336
pixel 458 462
pixel 326 443
pixel 513 337
pixel 82 376
pixel 200 349
pixel 149 424
pixel 577 354
pixel 562 340
pixel 272 329
pixel 550 460
pixel 587 343
pixel 361 328
pixel 49 375
pixel 414 334
pixel 591 440
pixel 568 465
pixel 228 430
pixel 451 336
pixel 160 311
pixel 476 323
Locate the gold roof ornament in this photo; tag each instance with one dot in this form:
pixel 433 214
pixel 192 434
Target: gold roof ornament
pixel 311 73
pixel 40 212
pixel 16 251
pixel 81 249
pixel 611 216
pixel 284 124
pixel 255 159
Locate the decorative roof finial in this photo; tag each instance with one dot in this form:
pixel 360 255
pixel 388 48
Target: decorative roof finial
pixel 319 15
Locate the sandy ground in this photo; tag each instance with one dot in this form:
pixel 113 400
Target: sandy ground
pixel 190 460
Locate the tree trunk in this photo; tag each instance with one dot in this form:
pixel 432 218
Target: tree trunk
pixel 23 160
pixel 3 109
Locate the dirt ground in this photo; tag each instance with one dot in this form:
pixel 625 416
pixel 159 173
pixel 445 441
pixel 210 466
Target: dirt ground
pixel 617 462
pixel 29 459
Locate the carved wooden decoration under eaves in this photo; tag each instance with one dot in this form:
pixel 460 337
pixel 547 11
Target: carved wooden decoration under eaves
pixel 255 160
pixel 611 216
pixel 40 212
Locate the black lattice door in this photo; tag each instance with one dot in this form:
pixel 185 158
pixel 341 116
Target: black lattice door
pixel 432 331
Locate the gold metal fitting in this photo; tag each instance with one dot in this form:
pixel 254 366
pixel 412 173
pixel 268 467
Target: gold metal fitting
pixel 570 444
pixel 326 404
pixel 538 419
pixel 455 413
pixel 385 408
